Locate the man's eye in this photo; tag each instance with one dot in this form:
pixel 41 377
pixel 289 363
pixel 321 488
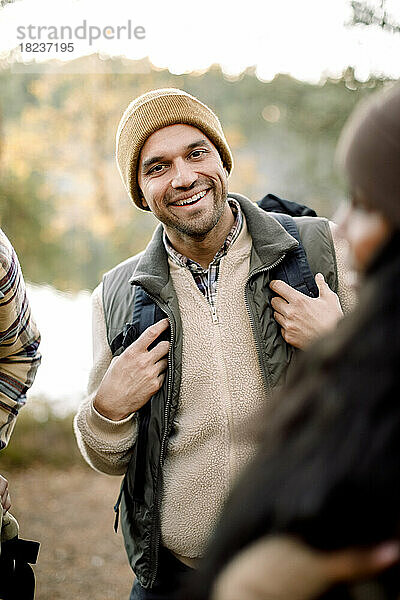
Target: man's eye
pixel 197 153
pixel 156 169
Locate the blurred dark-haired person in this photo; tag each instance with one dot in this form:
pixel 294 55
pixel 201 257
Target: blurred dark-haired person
pixel 320 505
pixel 19 342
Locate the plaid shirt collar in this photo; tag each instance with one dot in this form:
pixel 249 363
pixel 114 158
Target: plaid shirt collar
pixel 192 265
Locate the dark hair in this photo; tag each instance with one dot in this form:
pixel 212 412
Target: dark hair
pixel 329 466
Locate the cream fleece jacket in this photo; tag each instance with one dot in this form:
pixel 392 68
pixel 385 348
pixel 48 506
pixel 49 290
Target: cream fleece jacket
pixel 220 393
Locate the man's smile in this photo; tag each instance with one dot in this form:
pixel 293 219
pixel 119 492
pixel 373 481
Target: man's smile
pixel 189 201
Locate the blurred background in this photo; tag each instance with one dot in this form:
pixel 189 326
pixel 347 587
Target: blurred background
pixel 282 76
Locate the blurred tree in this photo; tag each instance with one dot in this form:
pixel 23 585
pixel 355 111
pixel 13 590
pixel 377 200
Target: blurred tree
pixel 59 171
pixel 26 211
pixel 365 14
pixel 1 134
pixel 66 131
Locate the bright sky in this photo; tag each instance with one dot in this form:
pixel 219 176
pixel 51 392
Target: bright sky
pixel 305 38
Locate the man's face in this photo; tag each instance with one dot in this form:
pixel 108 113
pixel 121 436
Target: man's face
pixel 183 180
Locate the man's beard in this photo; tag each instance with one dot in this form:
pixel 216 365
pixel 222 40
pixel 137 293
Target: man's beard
pixel 198 229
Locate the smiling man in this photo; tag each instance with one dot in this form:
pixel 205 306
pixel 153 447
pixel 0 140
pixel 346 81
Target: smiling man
pixel 175 415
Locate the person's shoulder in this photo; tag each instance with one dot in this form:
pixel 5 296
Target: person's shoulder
pixel 308 221
pixel 116 282
pixel 126 266
pixel 314 227
pixel 7 253
pixel 317 239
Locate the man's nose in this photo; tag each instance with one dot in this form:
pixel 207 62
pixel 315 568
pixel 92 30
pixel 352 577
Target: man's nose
pixel 183 174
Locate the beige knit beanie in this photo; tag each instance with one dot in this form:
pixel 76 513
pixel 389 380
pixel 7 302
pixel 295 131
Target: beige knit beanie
pixel 155 110
pixel 369 152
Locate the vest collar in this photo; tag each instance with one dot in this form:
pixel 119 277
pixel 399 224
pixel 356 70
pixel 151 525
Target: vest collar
pixel 151 271
pixel 270 242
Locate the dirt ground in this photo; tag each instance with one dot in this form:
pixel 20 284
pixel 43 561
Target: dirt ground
pixel 71 513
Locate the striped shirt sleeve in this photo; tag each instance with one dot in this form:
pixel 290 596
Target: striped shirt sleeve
pixel 19 340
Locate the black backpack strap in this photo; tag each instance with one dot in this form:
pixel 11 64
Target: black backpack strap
pixel 145 313
pixel 294 269
pixel 272 203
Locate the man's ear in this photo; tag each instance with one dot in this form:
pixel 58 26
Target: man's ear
pixel 143 202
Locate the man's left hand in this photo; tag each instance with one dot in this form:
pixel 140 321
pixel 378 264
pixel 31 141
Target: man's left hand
pixel 302 318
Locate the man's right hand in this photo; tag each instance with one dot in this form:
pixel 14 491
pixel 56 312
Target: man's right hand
pixel 133 377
